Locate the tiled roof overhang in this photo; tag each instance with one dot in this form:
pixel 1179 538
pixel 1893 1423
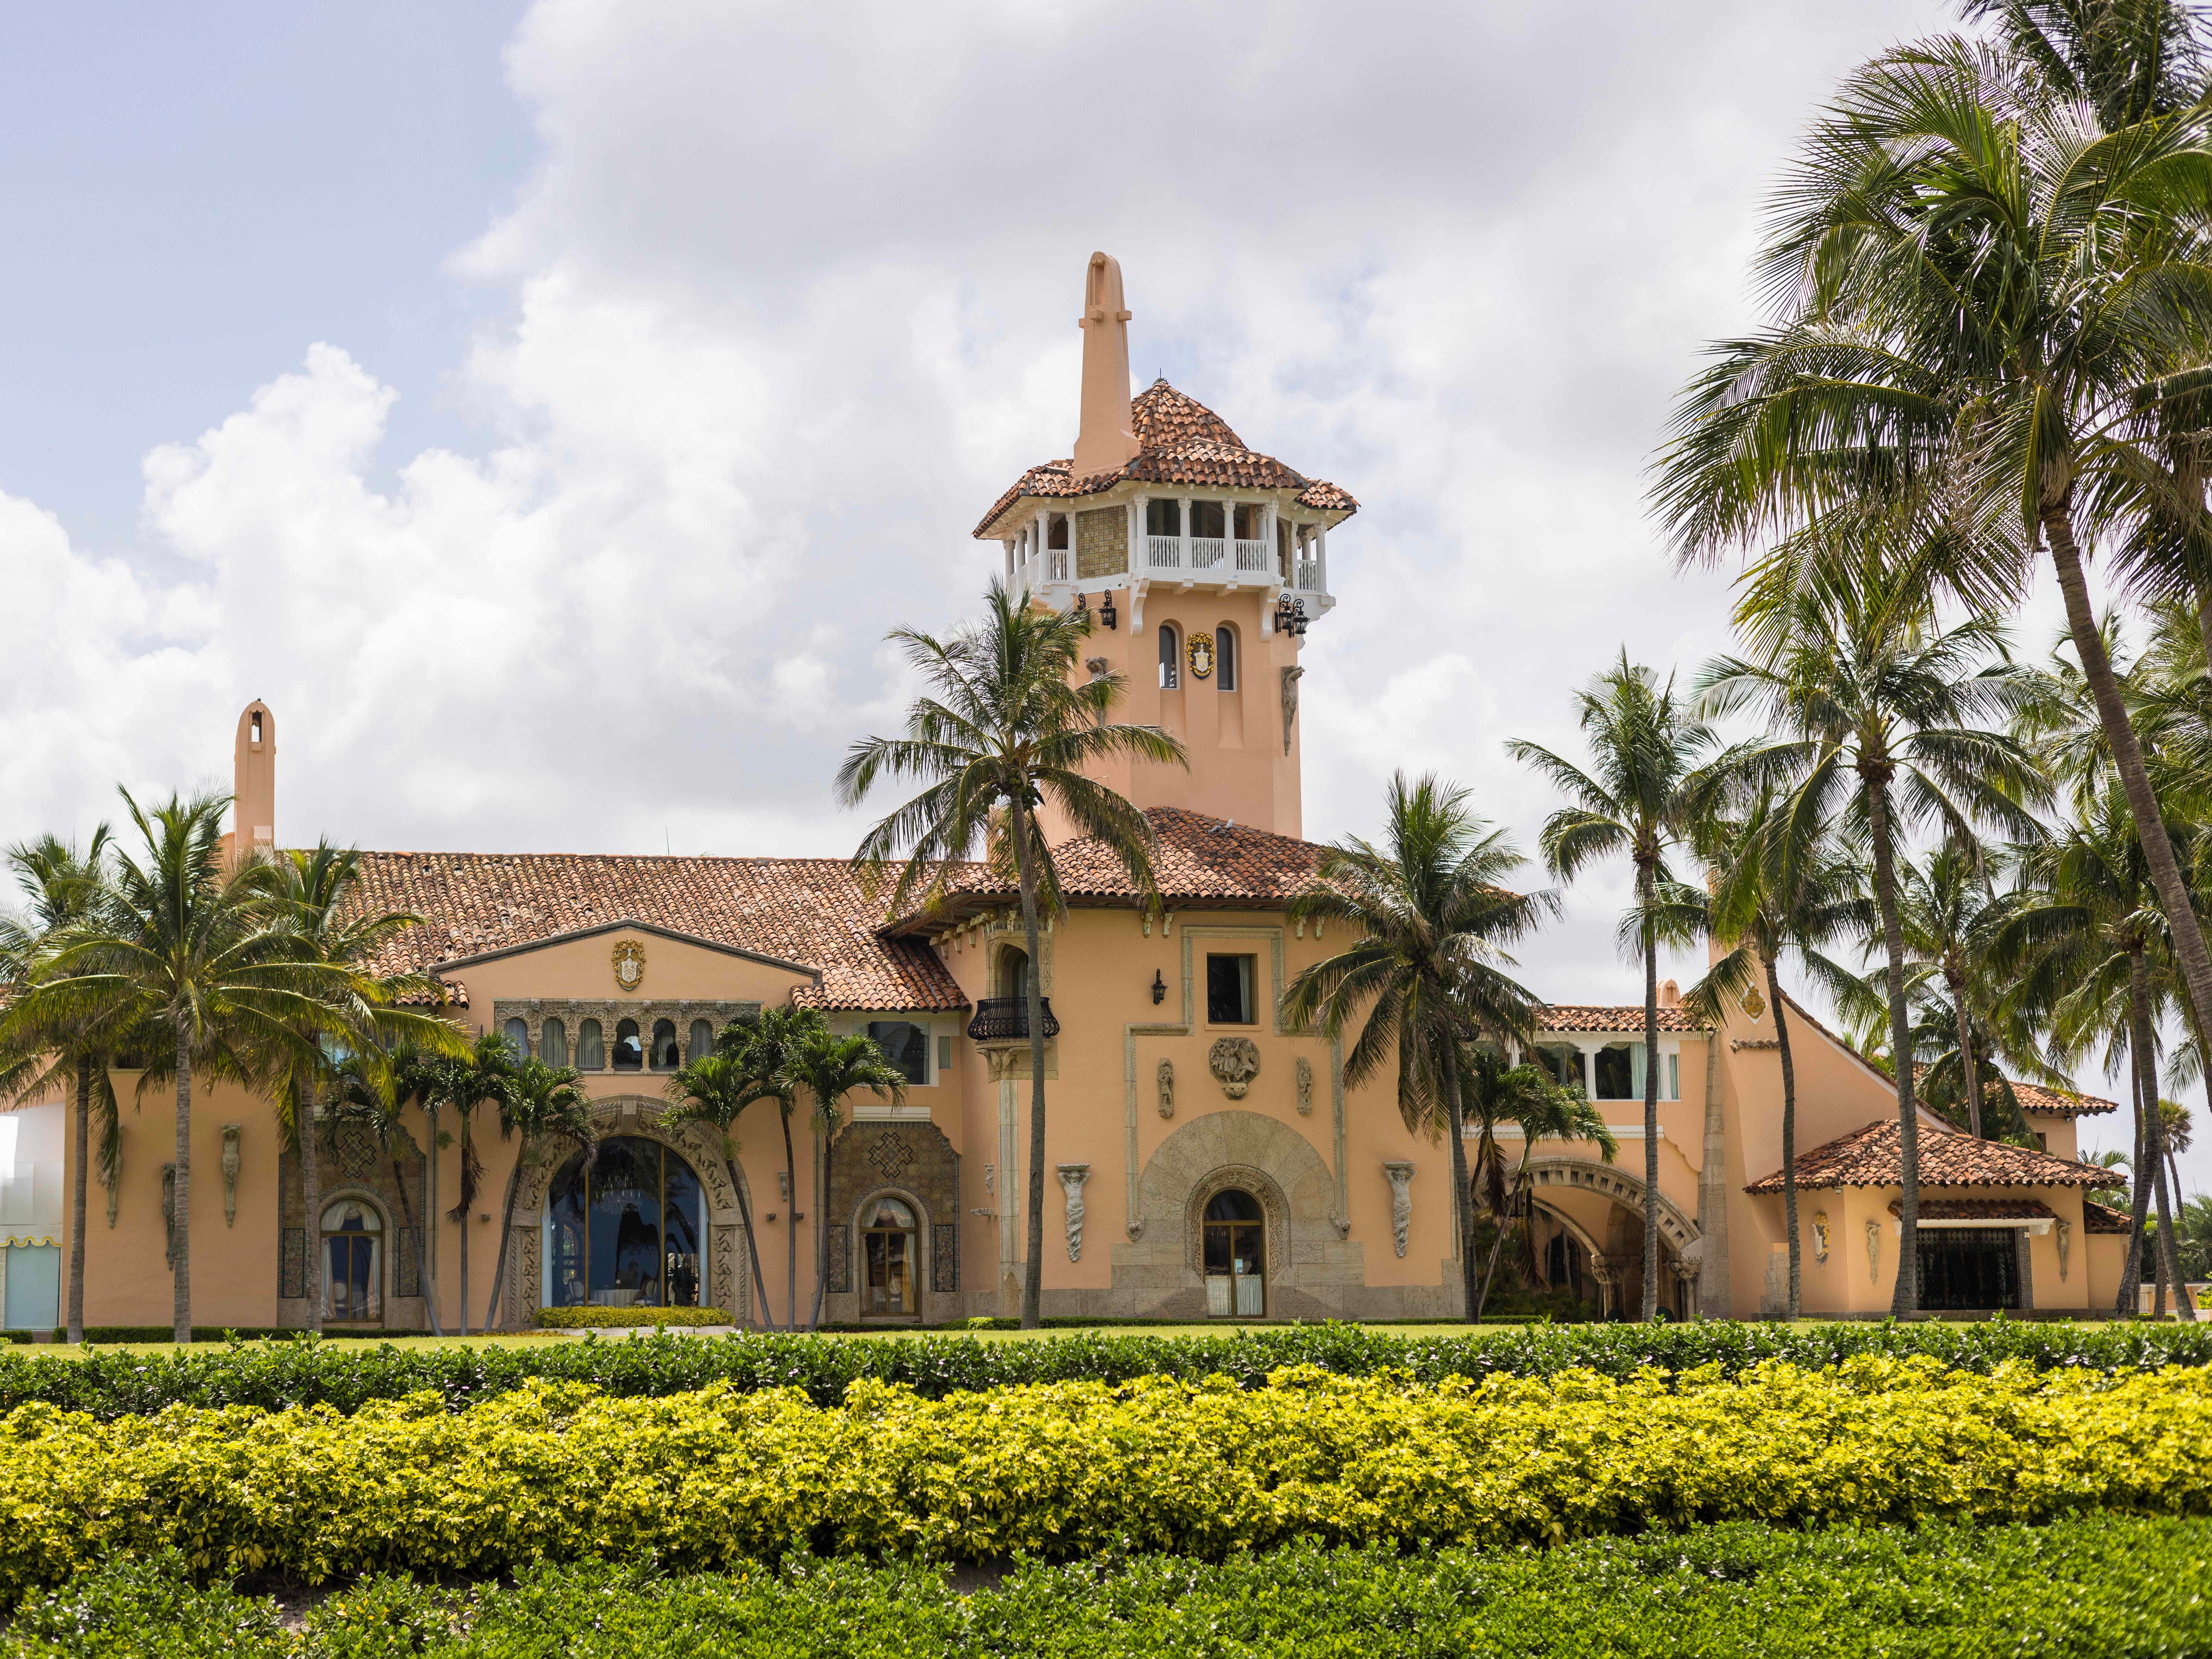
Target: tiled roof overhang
pixel 1871 1156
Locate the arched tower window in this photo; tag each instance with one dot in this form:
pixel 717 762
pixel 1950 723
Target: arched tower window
pixel 630 1052
pixel 353 1262
pixel 590 1047
pixel 701 1043
pixel 553 1043
pixel 1170 657
pixel 1224 657
pixel 666 1056
pixel 517 1033
pixel 1013 973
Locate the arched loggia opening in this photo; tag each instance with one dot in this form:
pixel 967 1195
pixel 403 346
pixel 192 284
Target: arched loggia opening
pixel 625 1227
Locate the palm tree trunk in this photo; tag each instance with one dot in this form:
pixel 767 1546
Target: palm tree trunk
pixel 491 1319
pixel 2139 1054
pixel 1796 1305
pixel 467 1198
pixel 1497 1245
pixel 2169 1241
pixel 181 1202
pixel 1973 1079
pixel 415 1231
pixel 2127 756
pixel 1643 893
pixel 1470 1299
pixel 1714 1290
pixel 83 1067
pixel 311 1190
pixel 1906 1300
pixel 821 1230
pixel 752 1237
pixel 1033 1269
pixel 2204 618
pixel 791 1255
pixel 429 1246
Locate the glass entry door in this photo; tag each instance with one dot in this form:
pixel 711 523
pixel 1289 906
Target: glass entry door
pixel 1235 1243
pixel 889 1252
pixel 625 1228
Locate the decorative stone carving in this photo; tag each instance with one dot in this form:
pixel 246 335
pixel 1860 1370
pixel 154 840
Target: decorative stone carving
pixel 731 1286
pixel 1099 667
pixel 889 1157
pixel 1167 1088
pixel 1072 1177
pixel 1304 1071
pixel 169 1210
pixel 2065 1247
pixel 1290 678
pixel 527 1283
pixel 231 1135
pixel 629 964
pixel 1234 1061
pixel 1400 1176
pixel 1755 1005
pixel 1819 1235
pixel 1873 1251
pixel 356 1151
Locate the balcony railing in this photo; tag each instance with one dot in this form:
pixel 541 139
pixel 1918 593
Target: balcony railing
pixel 1007 1019
pixel 1308 576
pixel 1207 552
pixel 1164 552
pixel 1253 557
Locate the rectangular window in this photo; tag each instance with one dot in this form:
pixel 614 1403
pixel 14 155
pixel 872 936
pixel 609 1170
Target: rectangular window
pixel 1163 517
pixel 1229 990
pixel 944 1054
pixel 1674 1076
pixel 1616 1072
pixel 905 1044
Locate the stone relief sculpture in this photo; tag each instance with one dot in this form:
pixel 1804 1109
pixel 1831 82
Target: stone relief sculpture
pixel 1167 1088
pixel 1072 1177
pixel 1401 1177
pixel 1874 1250
pixel 1819 1236
pixel 1099 667
pixel 231 1135
pixel 2065 1247
pixel 1290 678
pixel 1234 1061
pixel 1305 1086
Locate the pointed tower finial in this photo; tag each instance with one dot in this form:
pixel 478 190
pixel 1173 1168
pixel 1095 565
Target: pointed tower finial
pixel 1107 437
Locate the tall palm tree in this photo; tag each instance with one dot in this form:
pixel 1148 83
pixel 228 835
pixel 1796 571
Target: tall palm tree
pixel 482 1077
pixel 829 1068
pixel 1429 922
pixel 64 887
pixel 199 963
pixel 2129 58
pixel 772 1047
pixel 1948 911
pixel 418 1077
pixel 1651 778
pixel 1764 903
pixel 1986 303
pixel 1545 1111
pixel 712 1092
pixel 540 1104
pixel 1497 1092
pixel 1010 723
pixel 1877 709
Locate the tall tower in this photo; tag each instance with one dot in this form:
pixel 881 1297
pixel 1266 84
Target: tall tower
pixel 254 787
pixel 1202 562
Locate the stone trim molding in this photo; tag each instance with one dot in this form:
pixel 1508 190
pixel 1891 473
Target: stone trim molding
pixel 1676 1227
pixel 1241 1178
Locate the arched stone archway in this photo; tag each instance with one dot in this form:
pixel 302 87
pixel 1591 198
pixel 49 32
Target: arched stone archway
pixel 1682 1243
pixel 727 1281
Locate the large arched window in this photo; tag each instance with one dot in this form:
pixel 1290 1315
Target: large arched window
pixel 591 1048
pixel 517 1033
pixel 701 1043
pixel 553 1043
pixel 1236 1244
pixel 1224 657
pixel 630 1052
pixel 890 1255
pixel 625 1228
pixel 1013 972
pixel 353 1262
pixel 1170 657
pixel 666 1056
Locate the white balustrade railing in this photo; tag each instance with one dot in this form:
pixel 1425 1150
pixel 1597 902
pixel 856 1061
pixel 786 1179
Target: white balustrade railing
pixel 1164 552
pixel 1056 562
pixel 1253 556
pixel 1308 576
pixel 1206 552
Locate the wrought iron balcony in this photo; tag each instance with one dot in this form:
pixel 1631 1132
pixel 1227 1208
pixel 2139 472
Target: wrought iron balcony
pixel 1007 1019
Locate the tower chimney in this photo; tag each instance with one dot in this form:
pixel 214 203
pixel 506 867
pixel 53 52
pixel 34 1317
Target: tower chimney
pixel 254 788
pixel 1107 437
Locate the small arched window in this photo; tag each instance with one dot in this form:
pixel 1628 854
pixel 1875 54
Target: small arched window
pixel 353 1259
pixel 553 1043
pixel 1170 657
pixel 630 1052
pixel 666 1056
pixel 1014 973
pixel 701 1043
pixel 591 1048
pixel 517 1033
pixel 1224 657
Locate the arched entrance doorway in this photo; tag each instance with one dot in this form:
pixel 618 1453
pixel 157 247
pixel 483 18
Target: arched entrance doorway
pixel 625 1227
pixel 353 1262
pixel 1235 1243
pixel 890 1259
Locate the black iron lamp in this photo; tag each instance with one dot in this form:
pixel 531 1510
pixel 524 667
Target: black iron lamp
pixel 1159 987
pixel 1106 613
pixel 1290 617
pixel 1082 605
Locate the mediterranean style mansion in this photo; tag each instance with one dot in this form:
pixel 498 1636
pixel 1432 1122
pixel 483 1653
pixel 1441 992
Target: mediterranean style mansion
pixel 1209 1161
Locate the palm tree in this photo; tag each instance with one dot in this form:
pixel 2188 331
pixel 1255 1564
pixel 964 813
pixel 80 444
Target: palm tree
pixel 2129 59
pixel 541 1103
pixel 1879 708
pixel 1989 308
pixel 1010 724
pixel 64 887
pixel 829 1068
pixel 1647 786
pixel 772 1047
pixel 418 1077
pixel 199 963
pixel 1763 903
pixel 1429 923
pixel 485 1074
pixel 372 1089
pixel 1545 1111
pixel 712 1092
pixel 1496 1092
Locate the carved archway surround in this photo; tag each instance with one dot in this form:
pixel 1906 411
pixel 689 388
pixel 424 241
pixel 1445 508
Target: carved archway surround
pixel 1274 1208
pixel 727 1276
pixel 1677 1229
pixel 355 1193
pixel 925 1261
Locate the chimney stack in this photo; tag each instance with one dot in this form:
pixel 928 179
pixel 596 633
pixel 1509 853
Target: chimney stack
pixel 1107 438
pixel 253 786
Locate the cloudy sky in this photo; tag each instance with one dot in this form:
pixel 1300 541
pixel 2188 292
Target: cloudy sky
pixel 547 409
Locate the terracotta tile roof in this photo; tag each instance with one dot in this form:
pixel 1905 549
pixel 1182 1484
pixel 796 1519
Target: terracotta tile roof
pixel 2059 1103
pixel 807 911
pixel 2102 1218
pixel 1182 441
pixel 1593 1017
pixel 1980 1209
pixel 1870 1157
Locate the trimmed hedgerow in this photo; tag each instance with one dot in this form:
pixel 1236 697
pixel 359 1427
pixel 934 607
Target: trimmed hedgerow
pixel 710 1479
pixel 605 1319
pixel 2106 1586
pixel 274 1375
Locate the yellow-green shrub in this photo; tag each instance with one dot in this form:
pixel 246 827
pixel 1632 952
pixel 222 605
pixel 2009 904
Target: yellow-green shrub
pixel 607 1319
pixel 559 1471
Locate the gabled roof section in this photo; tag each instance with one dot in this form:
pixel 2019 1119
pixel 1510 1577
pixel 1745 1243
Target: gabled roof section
pixel 627 925
pixel 1870 1157
pixel 1182 443
pixel 1607 1017
pixel 809 914
pixel 2103 1218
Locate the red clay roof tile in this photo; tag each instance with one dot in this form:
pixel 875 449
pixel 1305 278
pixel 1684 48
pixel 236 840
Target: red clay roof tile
pixel 1870 1157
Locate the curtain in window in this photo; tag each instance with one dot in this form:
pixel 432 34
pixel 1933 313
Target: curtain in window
pixel 701 1043
pixel 1636 1072
pixel 553 1043
pixel 517 1033
pixel 591 1048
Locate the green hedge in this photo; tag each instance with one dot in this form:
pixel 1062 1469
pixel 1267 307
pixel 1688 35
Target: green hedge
pixel 303 1373
pixel 719 1477
pixel 605 1319
pixel 2106 1587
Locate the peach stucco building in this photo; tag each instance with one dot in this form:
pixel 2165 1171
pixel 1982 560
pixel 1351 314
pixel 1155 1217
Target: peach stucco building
pixel 1205 1159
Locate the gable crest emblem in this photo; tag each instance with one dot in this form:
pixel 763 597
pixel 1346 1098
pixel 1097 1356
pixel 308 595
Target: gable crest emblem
pixel 1201 655
pixel 629 964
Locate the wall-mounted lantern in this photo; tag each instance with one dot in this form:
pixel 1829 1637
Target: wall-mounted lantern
pixel 1290 617
pixel 1159 987
pixel 1107 615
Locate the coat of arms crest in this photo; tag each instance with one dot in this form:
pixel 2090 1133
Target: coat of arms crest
pixel 629 964
pixel 1201 655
